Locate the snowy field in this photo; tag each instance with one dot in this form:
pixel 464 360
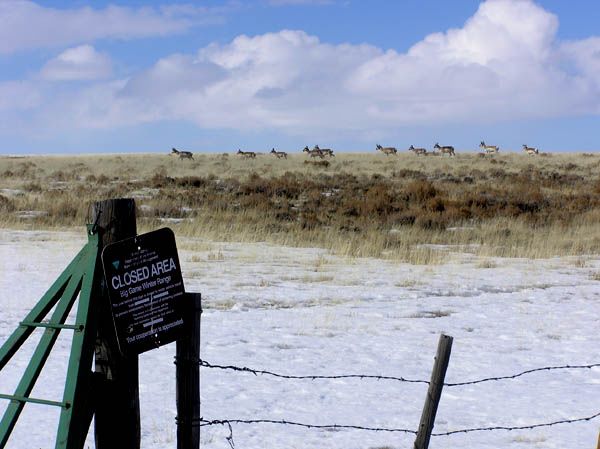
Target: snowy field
pixel 304 312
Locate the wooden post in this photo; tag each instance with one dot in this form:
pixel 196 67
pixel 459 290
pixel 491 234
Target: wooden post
pixel 434 392
pixel 188 377
pixel 116 388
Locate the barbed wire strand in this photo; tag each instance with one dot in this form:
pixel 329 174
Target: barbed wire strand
pixel 229 422
pixel 204 423
pixel 256 372
pixel 528 427
pixel 206 364
pixel 523 373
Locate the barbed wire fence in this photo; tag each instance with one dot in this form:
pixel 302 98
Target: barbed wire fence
pixel 261 372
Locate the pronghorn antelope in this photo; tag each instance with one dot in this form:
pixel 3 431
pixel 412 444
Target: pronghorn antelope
pixel 325 151
pixel 182 154
pixel 418 151
pixel 247 154
pixel 316 152
pixel 386 150
pixel 279 154
pixel 530 151
pixel 444 149
pixel 489 149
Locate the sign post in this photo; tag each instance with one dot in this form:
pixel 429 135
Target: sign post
pixel 188 377
pixel 116 379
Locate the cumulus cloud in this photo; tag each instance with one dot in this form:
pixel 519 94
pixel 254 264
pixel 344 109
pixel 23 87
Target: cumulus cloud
pixel 584 55
pixel 504 63
pixel 78 63
pixel 25 25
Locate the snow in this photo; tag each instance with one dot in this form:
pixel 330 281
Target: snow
pixel 303 311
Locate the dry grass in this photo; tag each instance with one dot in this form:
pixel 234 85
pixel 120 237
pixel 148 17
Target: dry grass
pixel 595 276
pixel 401 207
pixel 486 263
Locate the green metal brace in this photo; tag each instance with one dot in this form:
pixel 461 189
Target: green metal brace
pixel 77 405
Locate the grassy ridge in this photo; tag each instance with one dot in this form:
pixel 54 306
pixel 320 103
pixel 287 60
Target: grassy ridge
pixel 358 204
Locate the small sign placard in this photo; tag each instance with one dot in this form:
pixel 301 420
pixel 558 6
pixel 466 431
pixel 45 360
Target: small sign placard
pixel 146 290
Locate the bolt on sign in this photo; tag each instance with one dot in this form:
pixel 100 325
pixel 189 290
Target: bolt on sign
pixel 145 288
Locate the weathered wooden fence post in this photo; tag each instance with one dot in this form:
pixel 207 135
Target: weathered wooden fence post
pixel 188 377
pixel 434 392
pixel 117 405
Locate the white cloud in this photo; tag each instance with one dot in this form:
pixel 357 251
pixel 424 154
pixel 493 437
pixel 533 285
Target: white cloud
pixel 585 57
pixel 78 63
pixel 499 65
pixel 25 25
pixel 505 63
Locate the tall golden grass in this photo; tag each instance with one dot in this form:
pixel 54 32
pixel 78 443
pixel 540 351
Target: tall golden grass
pixel 406 207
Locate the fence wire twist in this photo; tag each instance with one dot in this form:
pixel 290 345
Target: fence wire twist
pixel 257 372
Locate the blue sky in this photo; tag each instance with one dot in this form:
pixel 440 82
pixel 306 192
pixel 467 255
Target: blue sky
pixel 139 76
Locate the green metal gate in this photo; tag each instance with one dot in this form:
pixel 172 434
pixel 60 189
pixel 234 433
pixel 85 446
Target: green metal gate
pixel 77 404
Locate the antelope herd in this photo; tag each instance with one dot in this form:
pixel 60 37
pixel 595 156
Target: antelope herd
pixel 321 153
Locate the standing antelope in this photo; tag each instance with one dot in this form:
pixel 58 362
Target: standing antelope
pixel 316 152
pixel 247 154
pixel 182 154
pixel 445 149
pixel 325 151
pixel 489 149
pixel 418 151
pixel 279 154
pixel 386 150
pixel 529 150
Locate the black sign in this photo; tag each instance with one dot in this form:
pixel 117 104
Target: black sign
pixel 146 291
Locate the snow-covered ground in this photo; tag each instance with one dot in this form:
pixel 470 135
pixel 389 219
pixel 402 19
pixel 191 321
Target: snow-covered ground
pixel 303 312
